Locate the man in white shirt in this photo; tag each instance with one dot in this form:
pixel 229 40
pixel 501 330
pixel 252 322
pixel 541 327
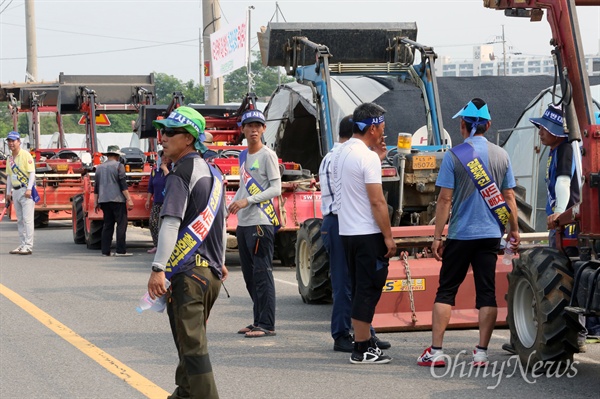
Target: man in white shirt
pixel 364 225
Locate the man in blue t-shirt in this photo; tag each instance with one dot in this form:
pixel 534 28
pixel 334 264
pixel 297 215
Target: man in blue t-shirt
pixel 474 232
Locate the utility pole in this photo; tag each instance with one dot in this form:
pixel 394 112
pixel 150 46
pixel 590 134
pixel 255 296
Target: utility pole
pixel 31 73
pixel 250 77
pixel 211 20
pixel 503 50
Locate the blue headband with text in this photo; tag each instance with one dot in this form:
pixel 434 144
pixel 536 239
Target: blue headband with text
pixel 370 121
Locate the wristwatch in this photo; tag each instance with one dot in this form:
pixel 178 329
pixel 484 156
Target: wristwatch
pixel 157 269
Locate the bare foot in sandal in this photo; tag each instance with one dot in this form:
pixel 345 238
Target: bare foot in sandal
pixel 246 329
pixel 259 332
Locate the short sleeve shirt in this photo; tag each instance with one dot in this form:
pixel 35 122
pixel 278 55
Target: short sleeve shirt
pixel 24 162
pixel 187 192
pixel 354 166
pixel 110 182
pixel 263 166
pixel 471 218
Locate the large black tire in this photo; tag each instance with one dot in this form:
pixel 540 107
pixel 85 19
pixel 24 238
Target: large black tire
pixel 78 219
pixel 93 236
pixel 285 247
pixel 40 219
pixel 539 288
pixel 312 264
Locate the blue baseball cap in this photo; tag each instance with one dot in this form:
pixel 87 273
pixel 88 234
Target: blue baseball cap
pixel 253 116
pixel 13 136
pixel 552 121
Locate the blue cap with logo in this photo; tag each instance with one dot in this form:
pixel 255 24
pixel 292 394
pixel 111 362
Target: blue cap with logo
pixel 253 116
pixel 552 121
pixel 13 136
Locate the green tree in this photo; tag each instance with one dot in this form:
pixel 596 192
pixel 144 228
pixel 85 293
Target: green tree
pixel 266 80
pixel 166 85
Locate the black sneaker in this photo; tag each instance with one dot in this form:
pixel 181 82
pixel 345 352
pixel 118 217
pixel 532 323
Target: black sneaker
pixel 343 344
pixel 381 344
pixel 509 348
pixel 371 356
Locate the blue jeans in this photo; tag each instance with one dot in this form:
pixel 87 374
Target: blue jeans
pixel 256 245
pixel 340 279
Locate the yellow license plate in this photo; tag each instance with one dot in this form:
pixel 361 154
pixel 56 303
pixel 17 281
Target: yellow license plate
pixel 418 284
pixel 235 170
pixel 424 162
pixel 62 167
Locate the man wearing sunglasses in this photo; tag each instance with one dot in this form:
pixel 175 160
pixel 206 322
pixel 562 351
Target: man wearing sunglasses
pixel 191 250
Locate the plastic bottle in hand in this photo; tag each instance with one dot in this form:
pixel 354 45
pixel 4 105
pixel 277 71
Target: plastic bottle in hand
pixel 509 253
pixel 157 305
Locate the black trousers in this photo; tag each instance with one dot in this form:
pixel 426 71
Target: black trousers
pixel 114 212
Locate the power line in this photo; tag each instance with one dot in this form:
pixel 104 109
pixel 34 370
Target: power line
pixel 88 34
pixel 100 52
pixel 4 9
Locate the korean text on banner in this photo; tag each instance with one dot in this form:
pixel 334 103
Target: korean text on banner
pixel 229 47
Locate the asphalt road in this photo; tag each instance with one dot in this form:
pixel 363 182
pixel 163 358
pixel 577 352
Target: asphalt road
pixel 69 329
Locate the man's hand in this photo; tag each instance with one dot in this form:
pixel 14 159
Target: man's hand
pixel 235 206
pixel 225 273
pixel 28 194
pixel 129 204
pixel 552 221
pixel 7 199
pixel 147 203
pixel 156 285
pixel 381 149
pixel 391 247
pixel 437 249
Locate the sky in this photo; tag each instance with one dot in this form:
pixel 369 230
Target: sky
pixel 137 37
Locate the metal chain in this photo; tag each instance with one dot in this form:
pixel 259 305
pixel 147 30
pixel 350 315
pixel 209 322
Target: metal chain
pixel 404 256
pixel 295 215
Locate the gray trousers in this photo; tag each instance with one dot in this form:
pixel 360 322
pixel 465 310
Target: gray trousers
pixel 25 210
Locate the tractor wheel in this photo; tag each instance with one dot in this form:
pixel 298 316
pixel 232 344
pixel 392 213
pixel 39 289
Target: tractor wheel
pixel 78 220
pixel 40 219
pixel 539 288
pixel 93 233
pixel 312 264
pixel 285 247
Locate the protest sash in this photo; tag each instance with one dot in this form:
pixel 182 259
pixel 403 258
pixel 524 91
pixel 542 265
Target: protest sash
pixel 253 187
pixel 190 238
pixel 23 179
pixel 484 183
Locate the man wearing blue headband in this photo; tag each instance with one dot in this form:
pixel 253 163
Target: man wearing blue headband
pixel 475 228
pixel 364 225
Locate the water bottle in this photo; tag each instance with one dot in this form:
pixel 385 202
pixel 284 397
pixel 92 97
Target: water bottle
pixel 157 305
pixel 509 253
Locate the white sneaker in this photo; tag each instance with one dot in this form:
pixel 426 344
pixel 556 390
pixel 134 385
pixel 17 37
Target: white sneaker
pixel 480 358
pixel 432 358
pixel 371 356
pixel 125 254
pixel 17 250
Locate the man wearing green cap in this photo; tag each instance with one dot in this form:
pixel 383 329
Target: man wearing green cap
pixel 191 250
pixel 476 181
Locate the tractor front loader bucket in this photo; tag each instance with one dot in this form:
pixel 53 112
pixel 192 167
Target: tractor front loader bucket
pixel 372 40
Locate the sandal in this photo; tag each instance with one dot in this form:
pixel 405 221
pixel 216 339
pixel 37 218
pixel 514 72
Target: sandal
pixel 259 332
pixel 246 329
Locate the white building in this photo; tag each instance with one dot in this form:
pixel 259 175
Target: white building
pixel 485 63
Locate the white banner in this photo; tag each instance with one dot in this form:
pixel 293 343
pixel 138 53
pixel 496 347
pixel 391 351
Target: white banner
pixel 229 48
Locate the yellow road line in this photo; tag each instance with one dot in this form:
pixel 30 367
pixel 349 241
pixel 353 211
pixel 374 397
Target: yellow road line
pixel 121 370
